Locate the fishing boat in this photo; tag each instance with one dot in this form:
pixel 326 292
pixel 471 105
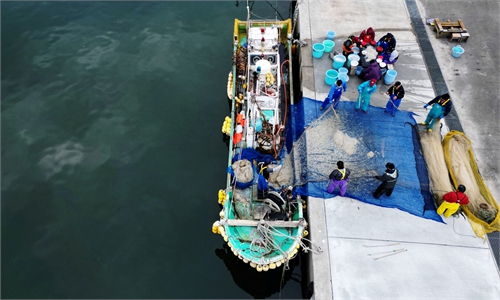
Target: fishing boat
pixel 263 224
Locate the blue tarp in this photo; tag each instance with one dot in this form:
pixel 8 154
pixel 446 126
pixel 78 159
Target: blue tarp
pixel 389 139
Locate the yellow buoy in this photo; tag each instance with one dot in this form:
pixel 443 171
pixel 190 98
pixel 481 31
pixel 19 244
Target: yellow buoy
pixel 305 233
pixel 245 260
pixel 265 268
pixel 215 226
pixel 253 265
pixel 272 266
pixel 278 264
pixel 259 268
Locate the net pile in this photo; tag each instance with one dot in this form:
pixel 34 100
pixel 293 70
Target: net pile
pixel 432 150
pixel 462 166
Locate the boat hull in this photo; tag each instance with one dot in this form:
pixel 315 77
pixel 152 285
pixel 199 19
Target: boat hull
pixel 261 93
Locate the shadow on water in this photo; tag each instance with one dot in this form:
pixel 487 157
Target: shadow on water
pixel 260 284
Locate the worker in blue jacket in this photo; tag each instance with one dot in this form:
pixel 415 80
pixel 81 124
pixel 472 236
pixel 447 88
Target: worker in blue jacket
pixel 441 107
pixel 387 42
pixel 334 94
pixel 366 89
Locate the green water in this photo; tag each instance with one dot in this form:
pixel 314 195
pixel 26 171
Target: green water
pixel 112 152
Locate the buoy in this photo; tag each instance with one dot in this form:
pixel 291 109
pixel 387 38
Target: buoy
pixel 278 264
pixel 222 196
pixel 222 214
pixel 259 268
pixel 298 246
pixel 265 268
pixel 253 265
pixel 226 126
pixel 272 266
pixel 305 233
pixel 220 229
pixel 215 227
pixel 230 85
pixel 245 260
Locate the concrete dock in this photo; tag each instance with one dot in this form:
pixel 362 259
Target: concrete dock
pixel 416 258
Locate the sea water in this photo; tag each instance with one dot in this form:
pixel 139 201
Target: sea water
pixel 112 154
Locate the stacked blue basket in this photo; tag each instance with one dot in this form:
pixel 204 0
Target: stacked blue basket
pixel 331 76
pixel 338 61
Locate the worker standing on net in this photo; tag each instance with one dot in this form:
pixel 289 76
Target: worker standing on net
pixel 389 179
pixel 334 94
pixel 441 107
pixel 396 94
pixel 452 201
pixel 366 89
pixel 339 178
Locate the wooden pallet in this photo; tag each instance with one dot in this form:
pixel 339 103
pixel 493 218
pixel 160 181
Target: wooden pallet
pixel 449 27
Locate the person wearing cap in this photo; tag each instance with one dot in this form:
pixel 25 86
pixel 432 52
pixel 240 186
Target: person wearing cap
pixel 366 89
pixel 452 201
pixel 441 107
pixel 396 94
pixel 389 179
pixel 339 178
pixel 334 94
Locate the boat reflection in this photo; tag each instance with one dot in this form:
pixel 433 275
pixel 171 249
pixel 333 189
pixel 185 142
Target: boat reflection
pixel 262 285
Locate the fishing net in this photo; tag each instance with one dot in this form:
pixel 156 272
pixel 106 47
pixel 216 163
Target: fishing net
pixel 439 180
pixel 428 167
pixel 365 143
pixel 482 210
